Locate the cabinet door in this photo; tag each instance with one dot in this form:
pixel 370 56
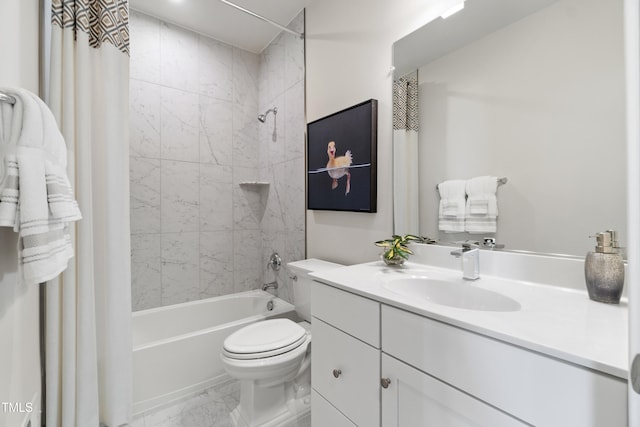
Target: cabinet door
pixel 323 414
pixel 414 398
pixel 346 372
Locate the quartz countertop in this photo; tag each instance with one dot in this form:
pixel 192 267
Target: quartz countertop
pixel 559 322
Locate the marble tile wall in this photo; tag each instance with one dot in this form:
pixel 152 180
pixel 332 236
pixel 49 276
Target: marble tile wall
pixel 282 162
pixel 195 232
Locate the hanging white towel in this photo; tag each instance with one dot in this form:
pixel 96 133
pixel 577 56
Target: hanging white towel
pixel 35 194
pixel 482 205
pixel 452 206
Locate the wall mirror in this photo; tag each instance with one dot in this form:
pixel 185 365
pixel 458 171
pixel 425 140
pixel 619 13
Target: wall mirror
pixel 529 90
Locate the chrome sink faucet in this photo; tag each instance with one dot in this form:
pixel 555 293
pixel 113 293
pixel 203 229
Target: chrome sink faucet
pixel 470 261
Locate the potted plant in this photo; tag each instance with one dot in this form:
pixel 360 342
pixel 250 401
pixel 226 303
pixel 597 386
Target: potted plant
pixel 396 250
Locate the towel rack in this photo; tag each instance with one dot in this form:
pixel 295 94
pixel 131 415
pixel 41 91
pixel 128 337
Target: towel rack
pixel 7 98
pixel 501 181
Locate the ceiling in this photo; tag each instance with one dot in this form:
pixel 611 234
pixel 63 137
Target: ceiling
pixel 223 22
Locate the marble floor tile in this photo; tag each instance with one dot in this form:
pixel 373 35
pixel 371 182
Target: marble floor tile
pixel 210 408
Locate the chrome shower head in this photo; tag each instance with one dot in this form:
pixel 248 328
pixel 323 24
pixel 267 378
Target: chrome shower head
pixel 263 117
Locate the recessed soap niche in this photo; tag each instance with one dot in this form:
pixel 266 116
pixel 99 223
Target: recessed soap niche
pixel 257 194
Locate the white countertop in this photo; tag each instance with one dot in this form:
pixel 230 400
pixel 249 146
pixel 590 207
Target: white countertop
pixel 559 322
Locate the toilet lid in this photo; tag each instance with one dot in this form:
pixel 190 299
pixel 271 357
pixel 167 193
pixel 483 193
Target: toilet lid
pixel 264 339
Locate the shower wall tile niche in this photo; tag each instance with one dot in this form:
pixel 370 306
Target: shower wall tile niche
pixel 195 231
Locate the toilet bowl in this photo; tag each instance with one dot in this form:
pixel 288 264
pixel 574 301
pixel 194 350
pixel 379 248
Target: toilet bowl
pixel 272 360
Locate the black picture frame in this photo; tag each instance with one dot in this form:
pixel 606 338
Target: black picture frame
pixel 352 188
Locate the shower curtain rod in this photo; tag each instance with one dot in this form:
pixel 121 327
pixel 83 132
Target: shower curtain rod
pixel 247 11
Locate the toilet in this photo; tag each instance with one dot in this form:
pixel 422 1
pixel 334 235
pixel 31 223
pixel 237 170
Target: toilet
pixel 272 359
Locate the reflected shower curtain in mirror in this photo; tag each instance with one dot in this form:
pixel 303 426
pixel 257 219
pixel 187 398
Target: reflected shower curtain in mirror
pixel 405 155
pixel 88 310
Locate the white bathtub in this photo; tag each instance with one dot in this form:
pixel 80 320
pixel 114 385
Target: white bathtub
pixel 176 349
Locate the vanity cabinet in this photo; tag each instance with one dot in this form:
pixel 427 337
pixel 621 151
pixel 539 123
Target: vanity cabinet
pixel 378 365
pixel 345 354
pixel 532 387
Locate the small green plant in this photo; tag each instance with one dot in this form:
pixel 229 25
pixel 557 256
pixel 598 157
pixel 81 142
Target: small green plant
pixel 396 248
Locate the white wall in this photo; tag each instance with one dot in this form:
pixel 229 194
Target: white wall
pixel 19 352
pixel 348 60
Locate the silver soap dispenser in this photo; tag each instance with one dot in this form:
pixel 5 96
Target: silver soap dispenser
pixel 604 269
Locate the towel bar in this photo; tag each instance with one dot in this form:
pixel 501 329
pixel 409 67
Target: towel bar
pixel 501 181
pixel 7 98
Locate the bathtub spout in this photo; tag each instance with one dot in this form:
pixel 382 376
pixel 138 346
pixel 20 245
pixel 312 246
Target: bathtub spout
pixel 270 285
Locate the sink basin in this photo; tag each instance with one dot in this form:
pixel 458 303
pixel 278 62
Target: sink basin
pixel 453 293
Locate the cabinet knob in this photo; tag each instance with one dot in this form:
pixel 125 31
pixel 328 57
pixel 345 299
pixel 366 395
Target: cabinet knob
pixel 337 373
pixel 385 382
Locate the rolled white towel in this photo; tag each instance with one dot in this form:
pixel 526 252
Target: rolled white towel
pixel 451 213
pixel 481 214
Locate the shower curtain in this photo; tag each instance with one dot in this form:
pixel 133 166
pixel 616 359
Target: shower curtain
pixel 88 309
pixel 406 218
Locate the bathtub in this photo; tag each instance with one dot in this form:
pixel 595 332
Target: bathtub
pixel 176 349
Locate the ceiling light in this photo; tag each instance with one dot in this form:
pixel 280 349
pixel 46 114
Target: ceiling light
pixel 457 8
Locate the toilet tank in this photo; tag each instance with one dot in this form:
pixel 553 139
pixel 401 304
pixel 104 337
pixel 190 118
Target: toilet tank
pixel 301 289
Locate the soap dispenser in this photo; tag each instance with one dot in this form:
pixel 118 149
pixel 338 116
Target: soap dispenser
pixel 604 269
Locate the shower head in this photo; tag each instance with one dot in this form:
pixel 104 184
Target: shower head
pixel 263 117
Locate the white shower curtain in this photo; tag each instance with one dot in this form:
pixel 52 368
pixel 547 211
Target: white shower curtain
pixel 88 310
pixel 406 219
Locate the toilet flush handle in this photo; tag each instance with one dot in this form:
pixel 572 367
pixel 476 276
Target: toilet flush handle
pixel 337 373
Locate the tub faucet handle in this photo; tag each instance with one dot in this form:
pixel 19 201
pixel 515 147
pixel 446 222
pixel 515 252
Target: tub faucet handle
pixel 274 261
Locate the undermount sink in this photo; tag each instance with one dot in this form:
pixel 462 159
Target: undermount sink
pixel 452 293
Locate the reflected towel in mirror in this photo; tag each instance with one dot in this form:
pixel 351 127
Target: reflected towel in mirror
pixel 482 205
pixel 451 214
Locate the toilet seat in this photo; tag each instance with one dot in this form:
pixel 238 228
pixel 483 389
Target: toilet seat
pixel 264 339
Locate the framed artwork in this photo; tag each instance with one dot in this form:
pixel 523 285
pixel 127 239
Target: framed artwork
pixel 341 160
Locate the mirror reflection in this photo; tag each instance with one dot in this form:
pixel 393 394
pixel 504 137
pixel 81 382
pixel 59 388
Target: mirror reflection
pixel 535 96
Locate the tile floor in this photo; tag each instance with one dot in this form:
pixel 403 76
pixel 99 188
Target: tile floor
pixel 210 408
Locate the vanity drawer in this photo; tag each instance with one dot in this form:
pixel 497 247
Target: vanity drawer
pixel 535 388
pixel 346 372
pixel 353 314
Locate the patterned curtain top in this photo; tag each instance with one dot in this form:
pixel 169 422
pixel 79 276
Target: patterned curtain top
pixel 405 102
pixel 102 20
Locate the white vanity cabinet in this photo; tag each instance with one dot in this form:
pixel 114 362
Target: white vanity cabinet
pixel 378 365
pixel 532 387
pixel 345 354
